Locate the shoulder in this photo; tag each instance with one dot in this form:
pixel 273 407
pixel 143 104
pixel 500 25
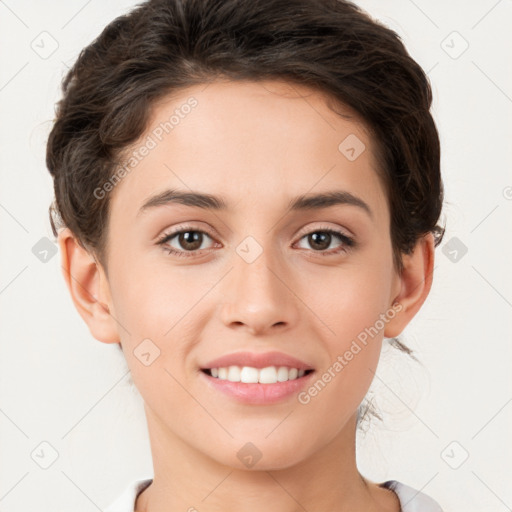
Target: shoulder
pixel 410 499
pixel 126 501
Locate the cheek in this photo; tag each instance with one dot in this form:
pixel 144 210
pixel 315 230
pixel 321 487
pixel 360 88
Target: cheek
pixel 350 300
pixel 149 300
pixel 160 316
pixel 354 307
pixel 353 346
pixel 154 314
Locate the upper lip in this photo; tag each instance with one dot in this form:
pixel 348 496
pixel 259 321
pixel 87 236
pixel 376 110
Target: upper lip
pixel 257 360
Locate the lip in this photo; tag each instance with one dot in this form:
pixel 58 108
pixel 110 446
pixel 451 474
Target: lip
pixel 257 360
pixel 258 394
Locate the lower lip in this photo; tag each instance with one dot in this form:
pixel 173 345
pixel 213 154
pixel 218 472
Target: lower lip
pixel 259 394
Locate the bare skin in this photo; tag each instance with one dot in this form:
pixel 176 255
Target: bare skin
pixel 258 145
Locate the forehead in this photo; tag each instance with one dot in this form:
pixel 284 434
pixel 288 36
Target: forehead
pixel 262 142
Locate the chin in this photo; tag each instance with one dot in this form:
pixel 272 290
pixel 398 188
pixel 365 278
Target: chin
pixel 261 455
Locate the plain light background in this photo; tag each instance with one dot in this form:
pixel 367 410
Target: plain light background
pixel 72 427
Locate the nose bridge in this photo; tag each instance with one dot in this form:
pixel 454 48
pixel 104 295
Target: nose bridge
pixel 258 296
pixel 255 267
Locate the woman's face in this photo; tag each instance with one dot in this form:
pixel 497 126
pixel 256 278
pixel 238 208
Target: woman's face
pixel 250 273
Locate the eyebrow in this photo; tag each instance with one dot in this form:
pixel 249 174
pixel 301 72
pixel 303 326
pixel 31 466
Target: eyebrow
pixel 218 203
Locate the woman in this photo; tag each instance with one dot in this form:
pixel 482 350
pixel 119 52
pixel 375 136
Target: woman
pixel 246 201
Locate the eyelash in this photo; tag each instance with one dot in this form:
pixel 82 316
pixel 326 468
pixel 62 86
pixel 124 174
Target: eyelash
pixel 347 242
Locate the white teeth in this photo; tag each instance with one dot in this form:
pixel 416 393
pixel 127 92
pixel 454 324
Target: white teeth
pixel 282 374
pixel 268 375
pixel 234 374
pixel 250 375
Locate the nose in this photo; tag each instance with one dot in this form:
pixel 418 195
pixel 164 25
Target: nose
pixel 258 296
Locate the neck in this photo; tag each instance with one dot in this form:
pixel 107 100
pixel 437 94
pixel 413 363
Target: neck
pixel 187 479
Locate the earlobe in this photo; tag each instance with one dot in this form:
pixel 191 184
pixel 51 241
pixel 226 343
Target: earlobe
pixel 416 282
pixel 87 284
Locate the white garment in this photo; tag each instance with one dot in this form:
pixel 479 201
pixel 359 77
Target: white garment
pixel 410 499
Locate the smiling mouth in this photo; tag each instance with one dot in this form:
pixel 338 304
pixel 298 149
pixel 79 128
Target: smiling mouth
pixel 251 375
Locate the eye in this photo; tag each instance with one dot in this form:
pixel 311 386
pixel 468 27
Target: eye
pixel 321 239
pixel 186 240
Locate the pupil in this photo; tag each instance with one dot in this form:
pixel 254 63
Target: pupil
pixel 188 240
pixel 320 235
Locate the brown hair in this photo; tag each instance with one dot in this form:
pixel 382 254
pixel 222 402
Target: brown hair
pixel 165 45
pixel 162 46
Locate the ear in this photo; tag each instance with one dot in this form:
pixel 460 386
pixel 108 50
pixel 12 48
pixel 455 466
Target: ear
pixel 88 286
pixel 414 284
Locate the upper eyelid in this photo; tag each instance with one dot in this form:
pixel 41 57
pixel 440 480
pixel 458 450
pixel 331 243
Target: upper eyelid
pixel 337 229
pixel 180 228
